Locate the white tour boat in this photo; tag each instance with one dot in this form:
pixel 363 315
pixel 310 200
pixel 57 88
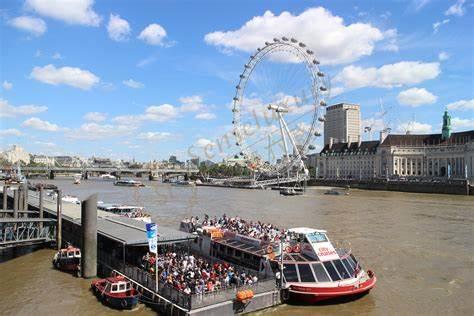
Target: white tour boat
pixel 313 268
pixel 135 212
pixel 128 183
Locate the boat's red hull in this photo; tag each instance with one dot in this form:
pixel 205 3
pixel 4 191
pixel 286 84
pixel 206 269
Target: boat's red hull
pixel 311 295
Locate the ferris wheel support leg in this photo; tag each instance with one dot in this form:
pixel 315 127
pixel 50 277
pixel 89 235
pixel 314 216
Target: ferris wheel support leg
pixel 293 143
pixel 285 145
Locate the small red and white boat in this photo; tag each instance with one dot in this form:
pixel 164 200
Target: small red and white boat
pixel 68 259
pixel 314 270
pixel 116 292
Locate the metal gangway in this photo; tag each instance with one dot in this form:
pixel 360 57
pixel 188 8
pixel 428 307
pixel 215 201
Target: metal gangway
pixel 26 231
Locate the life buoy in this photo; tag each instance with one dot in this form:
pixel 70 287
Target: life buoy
pixel 123 303
pixel 288 249
pixel 269 249
pixel 297 248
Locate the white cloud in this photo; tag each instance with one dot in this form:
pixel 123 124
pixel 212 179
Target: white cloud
pixel 415 97
pixel 419 4
pixel 8 110
pixel 461 105
pixel 146 61
pixel 41 125
pixel 456 9
pixel 57 56
pixel 46 144
pixel 10 132
pixel 438 24
pixel 387 76
pixel 70 11
pixel 414 127
pixel 376 124
pixel 118 28
pixel 161 113
pixel 95 117
pixel 204 142
pixel 32 25
pixel 462 124
pixel 94 131
pixel 7 85
pixel 154 136
pixel 153 34
pixel 442 56
pixel 333 41
pixel 205 116
pixel 133 84
pixel 192 103
pixel 71 76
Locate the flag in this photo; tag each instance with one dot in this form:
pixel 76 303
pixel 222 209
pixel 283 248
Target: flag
pixel 151 234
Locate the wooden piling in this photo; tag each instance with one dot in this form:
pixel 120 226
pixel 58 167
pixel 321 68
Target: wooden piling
pixel 41 215
pixel 59 207
pixel 5 197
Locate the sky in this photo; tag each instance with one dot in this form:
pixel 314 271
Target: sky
pixel 146 79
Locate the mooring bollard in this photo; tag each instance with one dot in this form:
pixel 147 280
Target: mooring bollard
pixel 89 237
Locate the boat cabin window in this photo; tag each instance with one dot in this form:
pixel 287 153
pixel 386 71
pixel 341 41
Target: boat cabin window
pixel 129 286
pixel 332 271
pixel 315 237
pixel 306 274
pixel 290 273
pixel 122 287
pixel 70 254
pixel 78 253
pixel 340 268
pixel 321 274
pixel 348 266
pixel 114 288
pixel 238 253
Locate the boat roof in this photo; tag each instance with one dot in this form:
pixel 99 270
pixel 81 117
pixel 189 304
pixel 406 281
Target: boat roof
pixel 305 230
pixel 239 245
pixel 110 205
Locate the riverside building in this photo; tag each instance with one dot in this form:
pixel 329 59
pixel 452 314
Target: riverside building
pixel 446 155
pixel 342 123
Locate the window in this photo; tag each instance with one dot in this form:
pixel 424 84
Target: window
pixel 332 271
pixel 321 274
pixel 114 288
pixel 238 253
pixel 306 274
pixel 289 271
pixel 340 268
pixel 129 286
pixel 348 266
pixel 122 287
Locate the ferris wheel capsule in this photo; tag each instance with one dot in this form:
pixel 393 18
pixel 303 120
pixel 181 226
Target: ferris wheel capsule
pixel 276 39
pixel 309 52
pixel 320 74
pixel 302 45
pixel 235 99
pixel 316 62
pixel 285 38
pixel 322 103
pixel 317 134
pixel 293 40
pixel 323 88
pixel 267 43
pixel 322 119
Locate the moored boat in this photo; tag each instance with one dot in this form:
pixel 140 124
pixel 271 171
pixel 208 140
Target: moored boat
pixel 313 268
pixel 128 183
pixel 290 192
pixel 107 176
pixel 68 259
pixel 135 212
pixel 116 292
pixel 71 199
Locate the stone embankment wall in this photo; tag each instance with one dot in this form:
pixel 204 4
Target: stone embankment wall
pixel 459 187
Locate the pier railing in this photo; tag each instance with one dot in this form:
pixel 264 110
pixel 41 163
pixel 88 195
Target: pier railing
pixel 187 301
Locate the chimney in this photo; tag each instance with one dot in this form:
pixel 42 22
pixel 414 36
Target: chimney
pixel 360 141
pixel 349 141
pixel 330 142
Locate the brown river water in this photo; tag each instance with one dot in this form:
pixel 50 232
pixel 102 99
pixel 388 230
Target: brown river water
pixel 421 246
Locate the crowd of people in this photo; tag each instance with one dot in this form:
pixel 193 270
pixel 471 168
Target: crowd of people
pixel 192 274
pixel 258 230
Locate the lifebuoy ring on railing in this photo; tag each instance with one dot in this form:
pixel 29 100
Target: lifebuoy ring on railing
pixel 297 248
pixel 288 249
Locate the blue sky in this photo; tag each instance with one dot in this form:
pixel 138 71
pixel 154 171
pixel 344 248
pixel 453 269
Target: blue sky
pixel 147 79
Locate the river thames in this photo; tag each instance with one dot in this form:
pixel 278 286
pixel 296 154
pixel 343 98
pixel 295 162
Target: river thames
pixel 419 245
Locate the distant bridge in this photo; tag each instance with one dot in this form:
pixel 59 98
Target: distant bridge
pixel 85 171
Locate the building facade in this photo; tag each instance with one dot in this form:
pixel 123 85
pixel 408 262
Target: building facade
pixel 16 154
pixel 44 160
pixel 445 156
pixel 342 123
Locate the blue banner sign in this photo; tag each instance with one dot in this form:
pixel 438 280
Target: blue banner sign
pixel 151 235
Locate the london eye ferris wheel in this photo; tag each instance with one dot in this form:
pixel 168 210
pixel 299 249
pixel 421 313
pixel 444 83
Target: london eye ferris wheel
pixel 277 108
